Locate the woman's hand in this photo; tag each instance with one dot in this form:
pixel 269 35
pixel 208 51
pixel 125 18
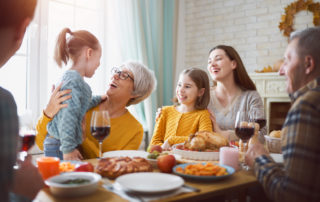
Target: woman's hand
pixel 158 113
pixel 215 126
pixel 55 102
pixel 74 155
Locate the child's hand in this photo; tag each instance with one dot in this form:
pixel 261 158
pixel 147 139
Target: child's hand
pixel 75 155
pixel 166 146
pixel 55 102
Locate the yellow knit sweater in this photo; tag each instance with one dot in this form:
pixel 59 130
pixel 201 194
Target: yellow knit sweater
pixel 176 127
pixel 126 134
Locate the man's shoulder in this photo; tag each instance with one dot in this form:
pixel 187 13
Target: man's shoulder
pixel 6 97
pixel 311 99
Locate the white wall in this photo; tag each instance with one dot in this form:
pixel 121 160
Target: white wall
pixel 250 26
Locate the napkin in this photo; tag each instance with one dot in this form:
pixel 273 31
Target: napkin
pixel 135 197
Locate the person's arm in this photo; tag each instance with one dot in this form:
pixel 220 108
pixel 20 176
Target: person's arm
pixel 9 129
pixel 159 130
pixel 296 179
pixel 96 100
pixel 41 130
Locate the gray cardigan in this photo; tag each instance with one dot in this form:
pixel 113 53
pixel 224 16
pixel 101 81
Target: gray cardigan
pixel 226 116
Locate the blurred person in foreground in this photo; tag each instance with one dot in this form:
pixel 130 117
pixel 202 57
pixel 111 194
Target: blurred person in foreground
pixel 298 177
pixel 23 183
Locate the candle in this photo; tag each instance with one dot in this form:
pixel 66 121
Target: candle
pixel 229 156
pixel 48 166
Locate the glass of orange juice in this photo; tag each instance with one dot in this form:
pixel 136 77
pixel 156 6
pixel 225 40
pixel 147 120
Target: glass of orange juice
pixel 48 166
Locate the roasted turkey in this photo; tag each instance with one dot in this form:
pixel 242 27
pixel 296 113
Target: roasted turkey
pixel 205 141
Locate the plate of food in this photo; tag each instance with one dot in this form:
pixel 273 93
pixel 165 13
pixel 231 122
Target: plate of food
pixel 201 146
pixel 203 171
pixel 150 183
pixel 73 184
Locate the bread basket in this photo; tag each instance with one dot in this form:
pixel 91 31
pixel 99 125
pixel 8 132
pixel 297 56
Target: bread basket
pixel 273 144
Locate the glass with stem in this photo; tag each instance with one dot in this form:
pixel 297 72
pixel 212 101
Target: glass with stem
pixel 100 127
pixel 244 129
pixel 258 116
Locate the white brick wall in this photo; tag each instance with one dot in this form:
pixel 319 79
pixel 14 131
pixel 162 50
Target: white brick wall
pixel 250 26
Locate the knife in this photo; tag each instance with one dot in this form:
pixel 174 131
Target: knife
pixel 191 188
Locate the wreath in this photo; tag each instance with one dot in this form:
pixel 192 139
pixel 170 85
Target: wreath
pixel 286 24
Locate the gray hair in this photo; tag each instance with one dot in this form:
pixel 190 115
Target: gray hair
pixel 144 81
pixel 308 43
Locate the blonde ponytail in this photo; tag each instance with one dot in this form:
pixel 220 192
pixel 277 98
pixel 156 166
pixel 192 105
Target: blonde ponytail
pixel 61 53
pixel 71 48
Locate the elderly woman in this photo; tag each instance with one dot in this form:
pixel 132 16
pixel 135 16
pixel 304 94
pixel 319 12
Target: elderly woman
pixel 130 84
pixel 233 90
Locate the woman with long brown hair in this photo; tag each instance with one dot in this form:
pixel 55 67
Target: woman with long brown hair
pixel 233 90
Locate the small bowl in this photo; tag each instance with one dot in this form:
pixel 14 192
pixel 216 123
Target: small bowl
pixel 273 144
pixel 58 188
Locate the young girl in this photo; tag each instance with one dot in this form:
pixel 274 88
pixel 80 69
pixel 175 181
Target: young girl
pixel 65 129
pixel 189 114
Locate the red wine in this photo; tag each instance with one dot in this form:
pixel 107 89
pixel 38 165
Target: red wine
pixel 261 122
pixel 27 142
pixel 100 133
pixel 244 133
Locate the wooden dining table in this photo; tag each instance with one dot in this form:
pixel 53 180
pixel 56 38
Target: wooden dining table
pixel 235 186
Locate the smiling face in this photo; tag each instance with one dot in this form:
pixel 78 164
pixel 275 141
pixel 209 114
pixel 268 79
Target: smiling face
pixel 219 65
pixel 292 68
pixel 187 91
pixel 122 88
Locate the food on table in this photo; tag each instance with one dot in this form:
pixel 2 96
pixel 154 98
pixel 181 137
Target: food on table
pixel 66 167
pixel 205 141
pixel 153 155
pixel 113 167
pixel 275 134
pixel 84 167
pixel 165 163
pixel 207 169
pixel 76 181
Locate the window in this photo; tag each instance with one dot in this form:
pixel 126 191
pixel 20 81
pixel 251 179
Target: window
pixel 31 72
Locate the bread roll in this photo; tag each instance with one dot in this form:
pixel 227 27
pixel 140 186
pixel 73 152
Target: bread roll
pixel 275 134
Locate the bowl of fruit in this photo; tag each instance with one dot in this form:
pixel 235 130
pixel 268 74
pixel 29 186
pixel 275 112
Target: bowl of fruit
pixel 154 152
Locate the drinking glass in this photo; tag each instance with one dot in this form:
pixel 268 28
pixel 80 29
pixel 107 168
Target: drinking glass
pixel 244 129
pixel 258 116
pixel 100 127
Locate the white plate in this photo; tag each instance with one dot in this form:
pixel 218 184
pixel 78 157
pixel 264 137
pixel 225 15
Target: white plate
pixel 70 190
pixel 128 153
pixel 150 182
pixel 277 157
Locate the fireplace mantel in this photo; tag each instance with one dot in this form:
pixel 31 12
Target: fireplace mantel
pixel 272 89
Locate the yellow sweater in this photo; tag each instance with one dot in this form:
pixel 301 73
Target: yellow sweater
pixel 126 134
pixel 176 127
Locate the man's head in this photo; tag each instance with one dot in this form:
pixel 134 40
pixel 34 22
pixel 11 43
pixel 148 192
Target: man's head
pixel 15 16
pixel 302 58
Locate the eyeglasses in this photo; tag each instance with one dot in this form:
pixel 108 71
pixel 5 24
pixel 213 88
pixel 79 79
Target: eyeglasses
pixel 122 75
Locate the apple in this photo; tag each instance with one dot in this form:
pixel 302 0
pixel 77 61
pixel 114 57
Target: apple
pixel 84 167
pixel 166 163
pixel 155 148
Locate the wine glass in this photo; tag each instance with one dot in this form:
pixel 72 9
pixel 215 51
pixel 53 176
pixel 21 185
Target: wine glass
pixel 100 127
pixel 244 129
pixel 258 116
